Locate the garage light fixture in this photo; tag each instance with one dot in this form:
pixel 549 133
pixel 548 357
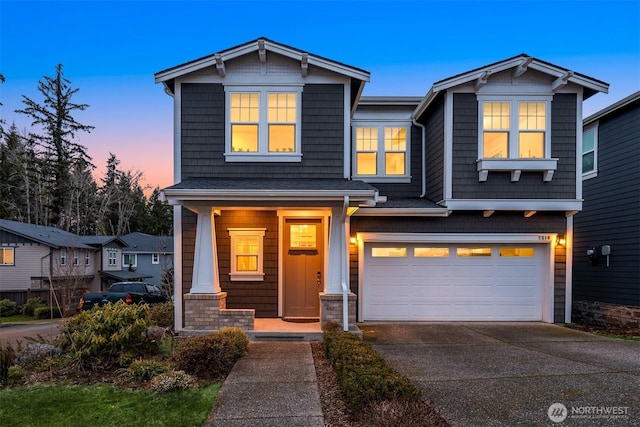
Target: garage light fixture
pixel 560 240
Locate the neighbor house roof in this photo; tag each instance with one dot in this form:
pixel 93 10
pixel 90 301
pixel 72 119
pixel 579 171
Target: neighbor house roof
pixel 125 275
pixel 520 64
pixel 146 243
pixel 102 240
pixel 613 107
pixel 50 236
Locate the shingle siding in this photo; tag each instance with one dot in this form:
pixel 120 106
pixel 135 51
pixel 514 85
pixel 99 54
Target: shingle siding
pixel 203 136
pixel 434 156
pixel 498 184
pixel 611 214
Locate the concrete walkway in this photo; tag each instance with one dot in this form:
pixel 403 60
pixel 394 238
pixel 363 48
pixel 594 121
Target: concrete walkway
pixel 274 385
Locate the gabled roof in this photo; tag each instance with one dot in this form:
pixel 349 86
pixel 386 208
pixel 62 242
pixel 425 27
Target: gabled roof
pixel 260 45
pixel 520 63
pixel 634 97
pixel 49 236
pixel 102 240
pixel 146 243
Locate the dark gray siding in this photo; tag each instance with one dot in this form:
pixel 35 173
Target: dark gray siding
pixel 435 149
pixel 498 184
pixel 203 139
pixel 413 188
pixel 611 215
pixel 472 222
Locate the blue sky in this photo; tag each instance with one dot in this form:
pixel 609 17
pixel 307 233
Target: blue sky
pixel 110 50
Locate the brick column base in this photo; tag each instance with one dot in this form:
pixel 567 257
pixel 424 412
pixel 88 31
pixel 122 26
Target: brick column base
pixel 603 314
pixel 331 309
pixel 208 312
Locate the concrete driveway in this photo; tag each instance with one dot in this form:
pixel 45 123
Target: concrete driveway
pixel 507 374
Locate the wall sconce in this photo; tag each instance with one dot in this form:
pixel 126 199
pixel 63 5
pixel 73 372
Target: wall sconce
pixel 353 240
pixel 560 240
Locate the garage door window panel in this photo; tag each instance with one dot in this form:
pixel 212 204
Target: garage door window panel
pixel 420 252
pixel 388 252
pixel 517 252
pixel 473 252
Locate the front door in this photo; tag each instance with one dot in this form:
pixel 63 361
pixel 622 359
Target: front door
pixel 303 268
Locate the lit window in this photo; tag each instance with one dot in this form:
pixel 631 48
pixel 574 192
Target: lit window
pixel 431 252
pixel 155 258
pixel 246 254
pixel 263 124
pixel 473 252
pixel 517 252
pixel 504 137
pixel 388 252
pixel 589 151
pixel 381 151
pixel 302 236
pixel 129 260
pixel 7 256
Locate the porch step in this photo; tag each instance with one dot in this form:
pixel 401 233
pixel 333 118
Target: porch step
pixel 284 336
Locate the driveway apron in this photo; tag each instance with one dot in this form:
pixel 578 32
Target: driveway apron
pixel 506 374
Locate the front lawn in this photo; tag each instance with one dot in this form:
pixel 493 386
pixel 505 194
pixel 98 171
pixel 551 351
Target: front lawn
pixel 102 405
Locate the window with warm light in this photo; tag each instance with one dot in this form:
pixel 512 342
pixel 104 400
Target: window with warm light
pixel 515 130
pixel 388 252
pixel 381 151
pixel 420 252
pixel 246 254
pixel 302 236
pixel 263 124
pixel 7 256
pixel 517 252
pixel 473 252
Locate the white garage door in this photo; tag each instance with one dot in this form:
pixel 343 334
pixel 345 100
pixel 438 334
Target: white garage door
pixel 421 281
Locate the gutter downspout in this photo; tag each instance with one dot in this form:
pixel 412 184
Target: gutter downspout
pixel 424 157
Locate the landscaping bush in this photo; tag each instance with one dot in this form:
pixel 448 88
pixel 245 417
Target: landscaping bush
pixel 35 353
pixel 32 304
pixel 108 335
pixel 162 314
pixel 8 308
pixel 7 356
pixel 142 369
pixel 211 356
pixel 363 375
pixel 47 313
pixel 173 381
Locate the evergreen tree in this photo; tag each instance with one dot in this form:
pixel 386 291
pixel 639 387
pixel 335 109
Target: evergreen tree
pixel 61 153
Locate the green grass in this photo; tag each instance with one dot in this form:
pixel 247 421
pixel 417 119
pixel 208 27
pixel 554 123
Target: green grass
pixel 16 318
pixel 82 406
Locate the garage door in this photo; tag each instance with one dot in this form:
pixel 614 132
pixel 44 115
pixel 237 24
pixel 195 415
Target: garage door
pixel 419 281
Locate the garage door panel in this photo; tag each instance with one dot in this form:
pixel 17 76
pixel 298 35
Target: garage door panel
pixel 444 286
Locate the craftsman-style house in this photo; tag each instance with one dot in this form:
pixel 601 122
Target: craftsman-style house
pixel 290 187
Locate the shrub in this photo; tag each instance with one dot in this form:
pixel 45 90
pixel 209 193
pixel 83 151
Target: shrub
pixel 32 304
pixel 8 308
pixel 16 373
pixel 47 313
pixel 162 314
pixel 36 353
pixel 7 356
pixel 142 369
pixel 173 381
pixel 363 375
pixel 211 356
pixel 112 334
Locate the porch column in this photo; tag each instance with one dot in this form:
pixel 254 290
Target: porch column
pixel 338 252
pixel 205 263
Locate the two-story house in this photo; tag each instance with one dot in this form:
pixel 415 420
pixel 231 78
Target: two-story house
pixel 149 255
pixel 290 185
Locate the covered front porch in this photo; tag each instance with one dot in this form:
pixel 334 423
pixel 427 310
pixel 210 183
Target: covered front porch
pixel 252 254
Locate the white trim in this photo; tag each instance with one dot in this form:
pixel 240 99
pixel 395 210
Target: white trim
pixel 448 146
pixel 234 274
pixel 177 266
pixel 547 166
pixel 594 173
pixel 190 194
pixel 387 212
pixel 284 214
pixel 381 125
pixel 548 239
pixel 128 254
pixel 514 204
pixel 177 133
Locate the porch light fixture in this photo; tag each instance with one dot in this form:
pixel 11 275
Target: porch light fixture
pixel 353 240
pixel 560 240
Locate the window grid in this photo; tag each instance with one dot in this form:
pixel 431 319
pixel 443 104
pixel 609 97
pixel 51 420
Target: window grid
pixel 112 258
pixel 589 147
pixel 382 148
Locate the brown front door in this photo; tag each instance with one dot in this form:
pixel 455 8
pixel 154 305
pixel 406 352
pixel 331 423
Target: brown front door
pixel 303 267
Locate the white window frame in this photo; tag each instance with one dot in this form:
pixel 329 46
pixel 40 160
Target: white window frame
pixel 155 258
pixel 592 173
pixel 514 164
pixel 76 258
pixel 248 276
pixel 263 154
pixel 112 257
pixel 13 256
pixel 87 258
pixel 63 257
pixel 380 152
pixel 125 256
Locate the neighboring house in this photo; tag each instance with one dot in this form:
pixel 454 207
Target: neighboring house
pixel 453 206
pixel 33 257
pixel 149 255
pixel 606 270
pixel 109 262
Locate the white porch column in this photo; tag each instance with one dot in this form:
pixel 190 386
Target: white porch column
pixel 338 252
pixel 205 264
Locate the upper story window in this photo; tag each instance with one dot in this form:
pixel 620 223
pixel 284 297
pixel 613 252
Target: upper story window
pixel 76 258
pixel 112 257
pixel 129 260
pixel 87 258
pixel 155 258
pixel 63 257
pixel 7 256
pixel 514 136
pixel 263 124
pixel 590 152
pixel 381 153
pixel 247 254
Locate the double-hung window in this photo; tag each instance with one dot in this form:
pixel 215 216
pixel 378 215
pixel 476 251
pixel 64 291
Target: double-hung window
pixel 263 124
pixel 112 257
pixel 246 254
pixel 7 256
pixel 63 257
pixel 590 152
pixel 514 136
pixel 381 152
pixel 130 260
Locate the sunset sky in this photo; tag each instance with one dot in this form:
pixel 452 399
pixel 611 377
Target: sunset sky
pixel 110 50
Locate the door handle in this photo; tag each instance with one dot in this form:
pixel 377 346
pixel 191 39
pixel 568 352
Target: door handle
pixel 318 278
